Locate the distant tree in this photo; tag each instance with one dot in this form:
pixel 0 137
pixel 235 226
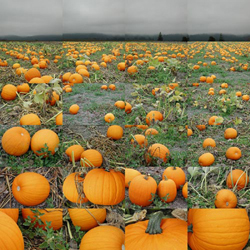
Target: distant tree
pixel 160 37
pixel 221 37
pixel 211 38
pixel 185 38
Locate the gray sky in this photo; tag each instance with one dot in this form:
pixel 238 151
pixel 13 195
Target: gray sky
pixel 33 17
pixel 30 17
pixel 219 16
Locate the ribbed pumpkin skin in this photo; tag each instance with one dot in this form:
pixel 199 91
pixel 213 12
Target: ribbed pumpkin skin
pixel 9 92
pixel 158 150
pixel 70 189
pixel 33 188
pixel 141 189
pixel 93 156
pixel 130 174
pixel 176 174
pixel 236 173
pixel 30 119
pixel 218 229
pixel 103 238
pixel 42 137
pixel 173 236
pixel 50 214
pixel 12 212
pixel 80 217
pixel 104 188
pixel 11 237
pixel 16 141
pixel 78 150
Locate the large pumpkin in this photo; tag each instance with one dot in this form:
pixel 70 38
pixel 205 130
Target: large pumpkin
pixel 16 141
pixel 142 189
pixel 218 229
pixel 12 212
pixel 103 238
pixel 53 215
pixel 73 188
pixel 30 189
pixel 11 237
pixel 91 158
pixel 104 188
pixel 157 233
pixel 87 218
pixel 42 137
pixel 9 92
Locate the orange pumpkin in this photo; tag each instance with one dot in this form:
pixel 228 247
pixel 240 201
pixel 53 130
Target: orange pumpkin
pixel 11 237
pixel 176 174
pixel 42 137
pixel 159 151
pixel 9 92
pixel 32 73
pixel 30 119
pixel 59 119
pixel 167 190
pixel 87 219
pixel 237 177
pixel 74 109
pixel 16 141
pixel 225 199
pixel 77 149
pixel 30 189
pixel 130 174
pixel 104 188
pixel 53 215
pixel 12 212
pixel 91 157
pixel 115 132
pixel 153 116
pixel 23 88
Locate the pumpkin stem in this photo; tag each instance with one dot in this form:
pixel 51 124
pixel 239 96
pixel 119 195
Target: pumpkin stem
pixel 190 228
pixel 165 178
pixel 154 224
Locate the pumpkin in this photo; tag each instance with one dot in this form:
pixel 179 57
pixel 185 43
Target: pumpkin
pixel 176 174
pixel 30 119
pixel 151 131
pixel 59 119
pixel 128 108
pixel 104 188
pixel 167 190
pixel 220 229
pixel 91 158
pixel 9 92
pixel 115 132
pixel 185 190
pixel 130 174
pixel 42 137
pixel 159 151
pixel 32 73
pixel 47 78
pixel 11 237
pixel 16 141
pixel 120 104
pixel 103 238
pixel 109 117
pixel 77 149
pixel 212 119
pixel 139 140
pixel 75 78
pixel 112 86
pixel 153 116
pixel 225 199
pixel 36 80
pixel 12 212
pixel 230 133
pixel 209 142
pixel 233 153
pixel 87 219
pixel 55 216
pixel 157 233
pixel 74 109
pixel 73 189
pixel 30 189
pixel 142 189
pixel 23 88
pixel 66 76
pixel 52 98
pixel 237 177
pixel 206 159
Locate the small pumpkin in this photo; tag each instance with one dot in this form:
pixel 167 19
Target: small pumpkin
pixel 130 174
pixel 153 116
pixel 59 119
pixel 91 158
pixel 167 190
pixel 74 109
pixel 87 219
pixel 109 237
pixel 73 188
pixel 77 149
pixel 115 132
pixel 32 73
pixel 139 140
pixel 30 189
pixel 11 237
pixel 53 215
pixel 42 137
pixel 30 119
pixel 176 174
pixel 109 117
pixel 9 92
pixel 104 188
pixel 225 199
pixel 159 151
pixel 237 177
pixel 185 190
pixel 141 190
pixel 16 141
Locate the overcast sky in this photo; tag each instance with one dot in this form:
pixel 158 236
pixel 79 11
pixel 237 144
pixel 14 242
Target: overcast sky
pixel 30 17
pixel 33 17
pixel 219 16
